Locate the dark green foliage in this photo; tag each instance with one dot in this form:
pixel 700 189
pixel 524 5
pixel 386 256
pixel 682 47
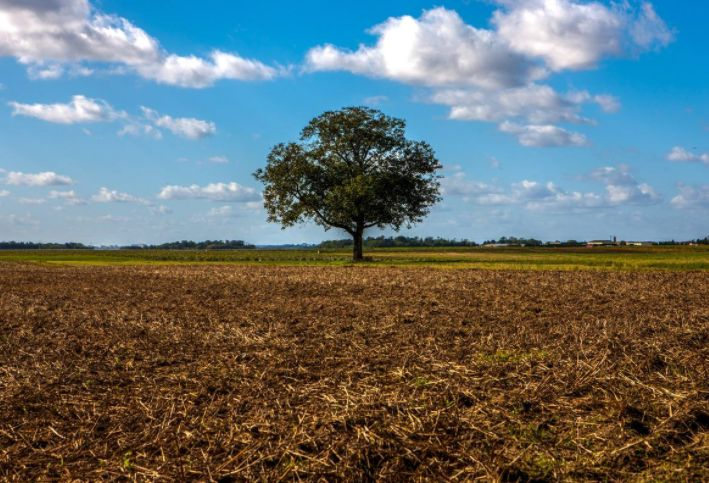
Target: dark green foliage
pixel 399 241
pixel 513 240
pixel 191 245
pixel 353 169
pixel 13 245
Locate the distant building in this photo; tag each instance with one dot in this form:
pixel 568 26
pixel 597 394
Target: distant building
pixel 601 243
pixel 640 243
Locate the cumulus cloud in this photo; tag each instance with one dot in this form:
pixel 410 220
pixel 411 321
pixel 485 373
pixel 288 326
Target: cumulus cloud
pixel 681 155
pixel 493 74
pixel 621 188
pixel 45 178
pixel 69 197
pixel 106 195
pixel 691 196
pixel 79 110
pixel 140 129
pixel 437 48
pixel 529 38
pixel 543 135
pixel 85 110
pixel 457 184
pixel 191 71
pixel 187 127
pixel 48 35
pixel 568 34
pixel 214 191
pixel 534 103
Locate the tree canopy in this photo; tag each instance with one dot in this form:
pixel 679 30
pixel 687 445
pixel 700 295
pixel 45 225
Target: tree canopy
pixel 353 169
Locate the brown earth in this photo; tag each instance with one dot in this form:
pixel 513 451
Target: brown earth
pixel 233 373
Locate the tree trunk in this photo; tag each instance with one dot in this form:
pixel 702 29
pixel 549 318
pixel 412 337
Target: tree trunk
pixel 357 249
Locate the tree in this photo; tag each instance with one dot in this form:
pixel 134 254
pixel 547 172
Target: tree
pixel 353 169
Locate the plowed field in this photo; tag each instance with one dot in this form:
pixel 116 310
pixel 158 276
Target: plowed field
pixel 264 372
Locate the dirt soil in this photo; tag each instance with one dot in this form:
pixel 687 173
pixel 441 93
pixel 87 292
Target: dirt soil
pixel 234 373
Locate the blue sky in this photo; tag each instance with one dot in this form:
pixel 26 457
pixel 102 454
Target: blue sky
pixel 133 121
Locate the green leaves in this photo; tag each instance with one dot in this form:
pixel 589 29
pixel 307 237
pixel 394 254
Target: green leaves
pixel 352 169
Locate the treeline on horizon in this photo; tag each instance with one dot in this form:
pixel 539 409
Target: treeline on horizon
pixel 14 245
pixel 192 245
pixel 369 242
pixel 398 241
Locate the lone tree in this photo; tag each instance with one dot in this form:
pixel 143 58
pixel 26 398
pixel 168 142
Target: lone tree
pixel 353 169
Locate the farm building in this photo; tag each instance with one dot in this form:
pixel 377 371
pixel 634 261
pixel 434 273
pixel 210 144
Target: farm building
pixel 601 243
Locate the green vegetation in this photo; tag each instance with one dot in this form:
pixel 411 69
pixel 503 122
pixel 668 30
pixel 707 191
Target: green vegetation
pixel 399 241
pixel 517 258
pixel 13 245
pixel 353 169
pixel 191 245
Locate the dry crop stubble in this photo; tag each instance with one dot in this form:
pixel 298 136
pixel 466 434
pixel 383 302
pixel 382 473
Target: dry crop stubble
pixel 229 373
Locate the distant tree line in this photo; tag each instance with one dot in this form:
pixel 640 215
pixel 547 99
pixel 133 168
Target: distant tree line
pixel 192 245
pixel 533 242
pixel 513 240
pixel 399 241
pixel 13 245
pixel 698 241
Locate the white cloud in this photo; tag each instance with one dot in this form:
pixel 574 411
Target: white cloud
pixel 31 201
pixel 4 193
pixel 490 74
pixel 69 197
pixel 681 155
pixel 607 102
pixel 140 129
pixel 45 178
pixel 436 49
pixel 648 29
pixel 537 105
pixel 534 103
pixel 482 193
pixel 569 34
pixel 20 220
pixel 621 188
pixel 160 210
pixel 218 159
pixel 79 110
pixel 45 71
pixel 213 191
pixel 375 100
pixel 221 212
pixel 46 35
pixel 543 135
pixel 691 196
pixel 84 110
pixel 106 195
pixel 191 71
pixel 186 127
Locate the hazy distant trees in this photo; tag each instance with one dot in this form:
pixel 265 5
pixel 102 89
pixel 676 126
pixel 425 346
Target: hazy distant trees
pixel 204 245
pixel 399 241
pixel 13 245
